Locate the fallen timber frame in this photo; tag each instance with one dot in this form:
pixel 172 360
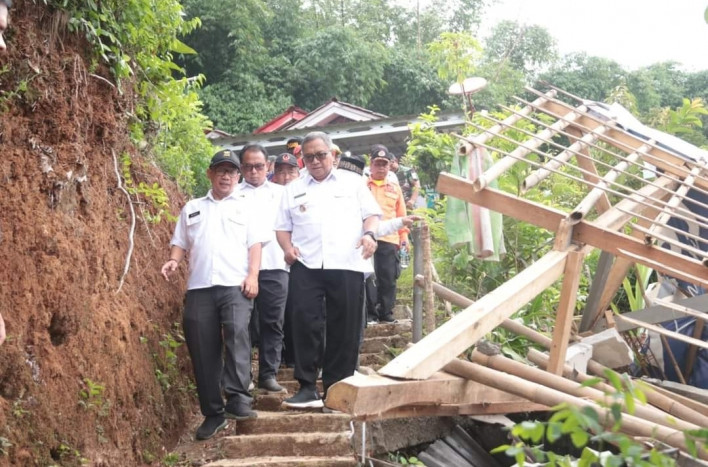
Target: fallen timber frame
pixel 628 222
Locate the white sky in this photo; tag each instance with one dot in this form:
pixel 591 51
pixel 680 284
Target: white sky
pixel 634 33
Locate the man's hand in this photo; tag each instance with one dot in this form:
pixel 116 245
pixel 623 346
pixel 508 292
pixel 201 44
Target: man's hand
pixel 168 268
pixel 292 255
pixel 249 287
pixel 408 220
pixel 368 245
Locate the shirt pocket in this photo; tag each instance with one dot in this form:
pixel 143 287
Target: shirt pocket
pixel 236 227
pixel 389 201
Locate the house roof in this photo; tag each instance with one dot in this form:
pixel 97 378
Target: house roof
pixel 292 114
pixel 335 111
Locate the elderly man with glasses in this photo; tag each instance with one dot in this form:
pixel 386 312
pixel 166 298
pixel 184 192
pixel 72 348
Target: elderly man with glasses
pixel 263 198
pixel 224 242
pixel 326 226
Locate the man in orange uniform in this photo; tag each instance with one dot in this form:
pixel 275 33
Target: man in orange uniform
pixel 386 258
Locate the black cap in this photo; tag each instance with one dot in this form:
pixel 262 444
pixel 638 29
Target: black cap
pixel 287 159
pixel 380 151
pixel 225 155
pixel 354 164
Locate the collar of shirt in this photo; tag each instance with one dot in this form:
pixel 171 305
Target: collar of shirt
pixel 309 179
pixel 210 195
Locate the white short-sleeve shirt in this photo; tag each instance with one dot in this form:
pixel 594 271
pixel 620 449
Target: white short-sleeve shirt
pixel 265 201
pixel 217 235
pixel 326 220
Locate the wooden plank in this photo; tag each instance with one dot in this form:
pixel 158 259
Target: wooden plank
pixel 464 329
pixel 372 396
pixel 566 309
pixel 592 308
pixel 591 233
pixel 659 314
pixel 587 163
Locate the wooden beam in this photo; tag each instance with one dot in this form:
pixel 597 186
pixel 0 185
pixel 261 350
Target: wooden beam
pixel 620 269
pixel 372 396
pixel 587 163
pixel 467 327
pixel 592 309
pixel 566 309
pixel 584 232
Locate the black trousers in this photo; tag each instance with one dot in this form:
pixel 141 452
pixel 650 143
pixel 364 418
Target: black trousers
pixel 387 265
pixel 342 293
pixel 215 323
pixel 372 313
pixel 270 302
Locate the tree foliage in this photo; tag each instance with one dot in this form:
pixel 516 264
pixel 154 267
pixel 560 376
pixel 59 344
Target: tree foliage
pixel 526 48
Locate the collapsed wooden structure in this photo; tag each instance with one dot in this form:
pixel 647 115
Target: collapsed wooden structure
pixel 623 214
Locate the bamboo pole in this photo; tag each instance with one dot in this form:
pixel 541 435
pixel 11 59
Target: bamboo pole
pixel 429 297
pixel 520 152
pixel 417 291
pixel 629 424
pixel 490 133
pixel 574 149
pixel 578 127
pixel 664 332
pixel 596 193
pixel 665 403
pixel 651 236
pixel 667 155
pixel 587 163
pixel 559 383
pixel 691 216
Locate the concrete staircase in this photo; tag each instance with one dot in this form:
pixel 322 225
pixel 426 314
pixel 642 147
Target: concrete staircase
pixel 287 438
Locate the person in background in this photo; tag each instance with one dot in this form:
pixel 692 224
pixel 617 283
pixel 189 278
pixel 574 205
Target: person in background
pixel 224 243
pixel 271 168
pixel 286 170
pixel 408 180
pixel 263 198
pixel 386 259
pixel 4 21
pixel 294 147
pixel 326 227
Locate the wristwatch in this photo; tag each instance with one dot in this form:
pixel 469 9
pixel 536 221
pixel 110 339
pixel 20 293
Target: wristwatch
pixel 371 234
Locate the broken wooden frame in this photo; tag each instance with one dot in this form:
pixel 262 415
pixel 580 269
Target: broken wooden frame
pixel 630 216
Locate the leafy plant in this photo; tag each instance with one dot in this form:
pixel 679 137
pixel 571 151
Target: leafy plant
pixel 167 369
pixel 155 194
pixel 137 40
pixel 402 459
pixel 590 434
pixel 5 444
pixel 91 397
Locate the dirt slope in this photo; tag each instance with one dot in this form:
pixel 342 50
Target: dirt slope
pixel 63 241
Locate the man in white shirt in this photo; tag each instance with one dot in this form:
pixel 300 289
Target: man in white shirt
pixel 326 226
pixel 263 198
pixel 224 242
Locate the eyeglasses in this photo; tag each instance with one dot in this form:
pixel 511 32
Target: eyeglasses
pixel 221 171
pixel 319 155
pixel 249 167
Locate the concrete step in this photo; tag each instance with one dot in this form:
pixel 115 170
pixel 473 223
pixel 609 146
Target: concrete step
pixel 300 461
pixel 294 422
pixel 381 329
pixel 288 444
pixel 381 344
pixel 269 402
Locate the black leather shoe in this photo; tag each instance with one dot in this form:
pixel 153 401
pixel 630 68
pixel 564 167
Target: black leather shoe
pixel 211 426
pixel 239 411
pixel 271 386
